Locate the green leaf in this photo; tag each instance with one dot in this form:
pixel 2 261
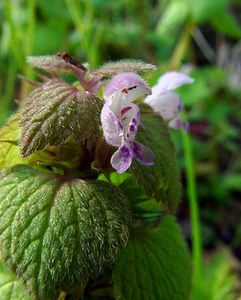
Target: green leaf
pixel 154 265
pixel 49 37
pixel 56 233
pixel 161 180
pixel 53 112
pixel 9 135
pixel 10 152
pixel 204 10
pixel 220 280
pixel 10 287
pixel 173 17
pixel 227 24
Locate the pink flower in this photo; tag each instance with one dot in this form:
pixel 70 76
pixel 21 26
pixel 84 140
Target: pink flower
pixel 166 102
pixel 120 119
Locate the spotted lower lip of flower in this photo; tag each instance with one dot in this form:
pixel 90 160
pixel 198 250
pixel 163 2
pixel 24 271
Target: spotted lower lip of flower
pixel 129 84
pixel 166 102
pixel 129 150
pixel 120 119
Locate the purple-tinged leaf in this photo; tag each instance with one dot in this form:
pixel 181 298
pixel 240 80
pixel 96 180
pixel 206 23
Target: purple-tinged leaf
pixel 59 63
pixel 53 112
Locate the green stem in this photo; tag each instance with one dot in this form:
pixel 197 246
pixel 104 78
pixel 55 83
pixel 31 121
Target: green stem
pixel 77 17
pixel 31 26
pixel 194 210
pixel 9 90
pixel 14 43
pixel 176 60
pixel 29 46
pixel 83 19
pixel 182 46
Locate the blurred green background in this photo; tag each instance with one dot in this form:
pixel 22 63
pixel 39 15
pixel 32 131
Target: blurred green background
pixel 200 37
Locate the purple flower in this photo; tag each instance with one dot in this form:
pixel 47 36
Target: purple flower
pixel 120 119
pixel 166 102
pixel 129 83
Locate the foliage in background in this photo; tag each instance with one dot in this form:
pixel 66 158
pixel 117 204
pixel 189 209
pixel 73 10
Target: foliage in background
pixel 168 33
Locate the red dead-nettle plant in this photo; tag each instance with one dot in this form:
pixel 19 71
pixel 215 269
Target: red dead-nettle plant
pixel 89 185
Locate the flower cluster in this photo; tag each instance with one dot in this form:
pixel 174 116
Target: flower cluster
pixel 120 120
pixel 120 116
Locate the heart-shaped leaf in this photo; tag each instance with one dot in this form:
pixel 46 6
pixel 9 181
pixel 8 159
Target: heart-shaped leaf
pixel 56 233
pixel 154 265
pixel 53 112
pixel 161 180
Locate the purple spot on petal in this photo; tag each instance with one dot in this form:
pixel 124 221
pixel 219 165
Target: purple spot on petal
pixel 136 149
pixel 125 110
pixel 186 126
pixel 134 121
pixel 178 124
pixel 180 106
pixel 132 128
pixel 125 151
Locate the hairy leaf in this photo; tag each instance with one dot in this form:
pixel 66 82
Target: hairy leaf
pixel 10 287
pixel 154 265
pixel 161 180
pixel 61 62
pixel 53 112
pixel 55 233
pixel 68 154
pixel 112 68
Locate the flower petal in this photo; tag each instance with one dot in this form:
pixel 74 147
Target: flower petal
pixel 172 80
pixel 168 104
pixel 122 158
pixel 130 84
pixel 142 154
pixel 178 123
pixel 117 102
pixel 111 127
pixel 130 120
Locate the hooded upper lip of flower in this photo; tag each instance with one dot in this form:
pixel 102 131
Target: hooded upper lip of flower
pixel 120 119
pixel 132 85
pixel 166 102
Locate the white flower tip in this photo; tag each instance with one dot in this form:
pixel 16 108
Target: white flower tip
pixel 173 79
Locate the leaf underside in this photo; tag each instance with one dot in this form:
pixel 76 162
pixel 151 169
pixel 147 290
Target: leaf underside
pixel 53 112
pixel 154 265
pixel 161 180
pixel 112 68
pixel 55 234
